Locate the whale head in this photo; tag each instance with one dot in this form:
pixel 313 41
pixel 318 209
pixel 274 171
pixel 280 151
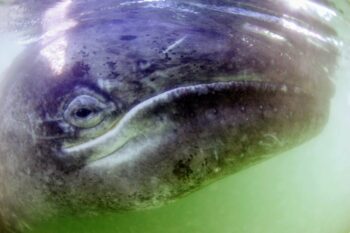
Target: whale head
pixel 124 105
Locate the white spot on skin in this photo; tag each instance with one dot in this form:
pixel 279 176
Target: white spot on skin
pixel 217 169
pixel 284 88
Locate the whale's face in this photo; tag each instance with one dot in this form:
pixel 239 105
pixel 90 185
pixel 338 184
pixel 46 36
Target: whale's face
pixel 152 100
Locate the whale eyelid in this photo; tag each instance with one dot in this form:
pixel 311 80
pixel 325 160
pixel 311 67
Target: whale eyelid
pixel 85 111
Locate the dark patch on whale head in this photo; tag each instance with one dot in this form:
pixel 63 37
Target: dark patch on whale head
pixel 128 37
pixel 182 169
pixel 80 69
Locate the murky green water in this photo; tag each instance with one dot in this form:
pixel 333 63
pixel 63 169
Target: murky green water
pixel 306 189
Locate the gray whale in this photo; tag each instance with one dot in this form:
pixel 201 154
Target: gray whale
pixel 123 105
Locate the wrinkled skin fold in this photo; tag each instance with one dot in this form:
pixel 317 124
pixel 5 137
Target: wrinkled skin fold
pixel 123 105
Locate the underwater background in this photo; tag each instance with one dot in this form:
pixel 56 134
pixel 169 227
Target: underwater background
pixel 306 189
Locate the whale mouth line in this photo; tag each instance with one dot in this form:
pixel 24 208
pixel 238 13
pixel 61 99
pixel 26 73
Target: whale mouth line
pixel 126 130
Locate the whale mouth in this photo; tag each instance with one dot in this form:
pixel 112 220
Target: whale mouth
pixel 143 118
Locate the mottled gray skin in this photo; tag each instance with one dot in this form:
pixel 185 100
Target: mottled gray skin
pixel 191 91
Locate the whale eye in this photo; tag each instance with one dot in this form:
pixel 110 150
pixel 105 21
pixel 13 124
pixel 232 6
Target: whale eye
pixel 85 112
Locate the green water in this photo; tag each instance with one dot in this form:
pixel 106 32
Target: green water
pixel 306 189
